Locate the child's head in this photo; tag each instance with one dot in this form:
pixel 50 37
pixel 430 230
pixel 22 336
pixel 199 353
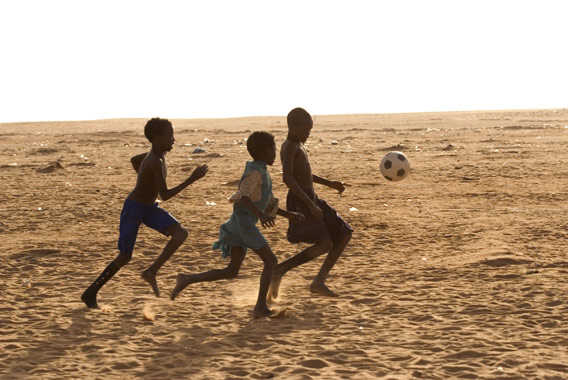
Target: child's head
pixel 300 124
pixel 262 147
pixel 160 132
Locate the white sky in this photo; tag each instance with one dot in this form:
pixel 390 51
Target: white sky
pixel 76 60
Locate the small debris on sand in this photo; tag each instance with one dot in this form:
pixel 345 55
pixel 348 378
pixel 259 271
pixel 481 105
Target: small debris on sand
pixel 51 168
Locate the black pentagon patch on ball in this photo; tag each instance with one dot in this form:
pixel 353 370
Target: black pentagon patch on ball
pixel 389 178
pixel 400 173
pixel 401 157
pixel 388 164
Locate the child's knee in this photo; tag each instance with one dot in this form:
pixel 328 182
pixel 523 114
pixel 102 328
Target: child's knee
pixel 320 248
pixel 231 272
pixel 180 233
pixel 267 256
pixel 271 261
pixel 325 246
pixel 122 259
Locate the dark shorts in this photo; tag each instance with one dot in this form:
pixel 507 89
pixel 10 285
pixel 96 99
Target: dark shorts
pixel 310 230
pixel 133 213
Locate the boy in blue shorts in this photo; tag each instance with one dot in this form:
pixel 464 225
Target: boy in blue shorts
pixel 252 201
pixel 323 226
pixel 140 207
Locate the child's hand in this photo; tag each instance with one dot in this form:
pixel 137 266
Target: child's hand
pixel 295 216
pixel 266 221
pixel 198 173
pixel 339 186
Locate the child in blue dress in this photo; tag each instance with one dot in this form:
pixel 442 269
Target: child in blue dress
pixel 252 202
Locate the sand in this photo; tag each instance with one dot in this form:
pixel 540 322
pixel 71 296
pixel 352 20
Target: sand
pixel 457 272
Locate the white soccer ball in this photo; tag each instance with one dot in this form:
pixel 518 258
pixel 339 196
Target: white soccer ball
pixel 395 166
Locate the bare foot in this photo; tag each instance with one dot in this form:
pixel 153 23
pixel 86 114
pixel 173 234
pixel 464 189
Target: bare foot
pixel 182 282
pixel 265 312
pixel 274 288
pixel 323 290
pixel 150 278
pixel 90 300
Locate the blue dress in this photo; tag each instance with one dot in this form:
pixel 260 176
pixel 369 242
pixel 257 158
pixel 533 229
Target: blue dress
pixel 240 230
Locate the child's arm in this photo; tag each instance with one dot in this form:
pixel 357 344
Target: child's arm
pixel 136 161
pixel 272 209
pixel 265 220
pixel 337 185
pixel 293 216
pixel 160 178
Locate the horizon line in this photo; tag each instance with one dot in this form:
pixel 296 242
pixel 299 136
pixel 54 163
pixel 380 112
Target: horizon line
pixel 279 116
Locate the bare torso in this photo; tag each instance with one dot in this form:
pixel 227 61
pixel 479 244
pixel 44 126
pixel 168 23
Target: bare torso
pixel 146 189
pixel 302 171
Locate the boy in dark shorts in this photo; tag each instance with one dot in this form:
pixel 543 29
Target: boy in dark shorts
pixel 140 207
pixel 322 227
pixel 252 202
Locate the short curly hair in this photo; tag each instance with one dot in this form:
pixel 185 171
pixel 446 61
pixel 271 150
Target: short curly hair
pixel 298 116
pixel 155 127
pixel 258 142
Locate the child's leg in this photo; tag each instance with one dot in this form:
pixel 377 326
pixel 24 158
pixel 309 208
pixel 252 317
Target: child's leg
pixel 231 271
pixel 303 257
pixel 89 296
pixel 178 235
pixel 270 261
pixel 318 285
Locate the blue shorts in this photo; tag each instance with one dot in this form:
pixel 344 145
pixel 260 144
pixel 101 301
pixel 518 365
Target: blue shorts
pixel 133 213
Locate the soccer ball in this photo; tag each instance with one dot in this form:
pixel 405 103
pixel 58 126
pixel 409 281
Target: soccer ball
pixel 395 166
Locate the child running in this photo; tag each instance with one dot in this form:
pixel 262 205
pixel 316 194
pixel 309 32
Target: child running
pixel 252 201
pixel 322 227
pixel 140 207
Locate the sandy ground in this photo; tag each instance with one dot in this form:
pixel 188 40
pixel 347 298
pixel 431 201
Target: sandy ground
pixel 457 272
